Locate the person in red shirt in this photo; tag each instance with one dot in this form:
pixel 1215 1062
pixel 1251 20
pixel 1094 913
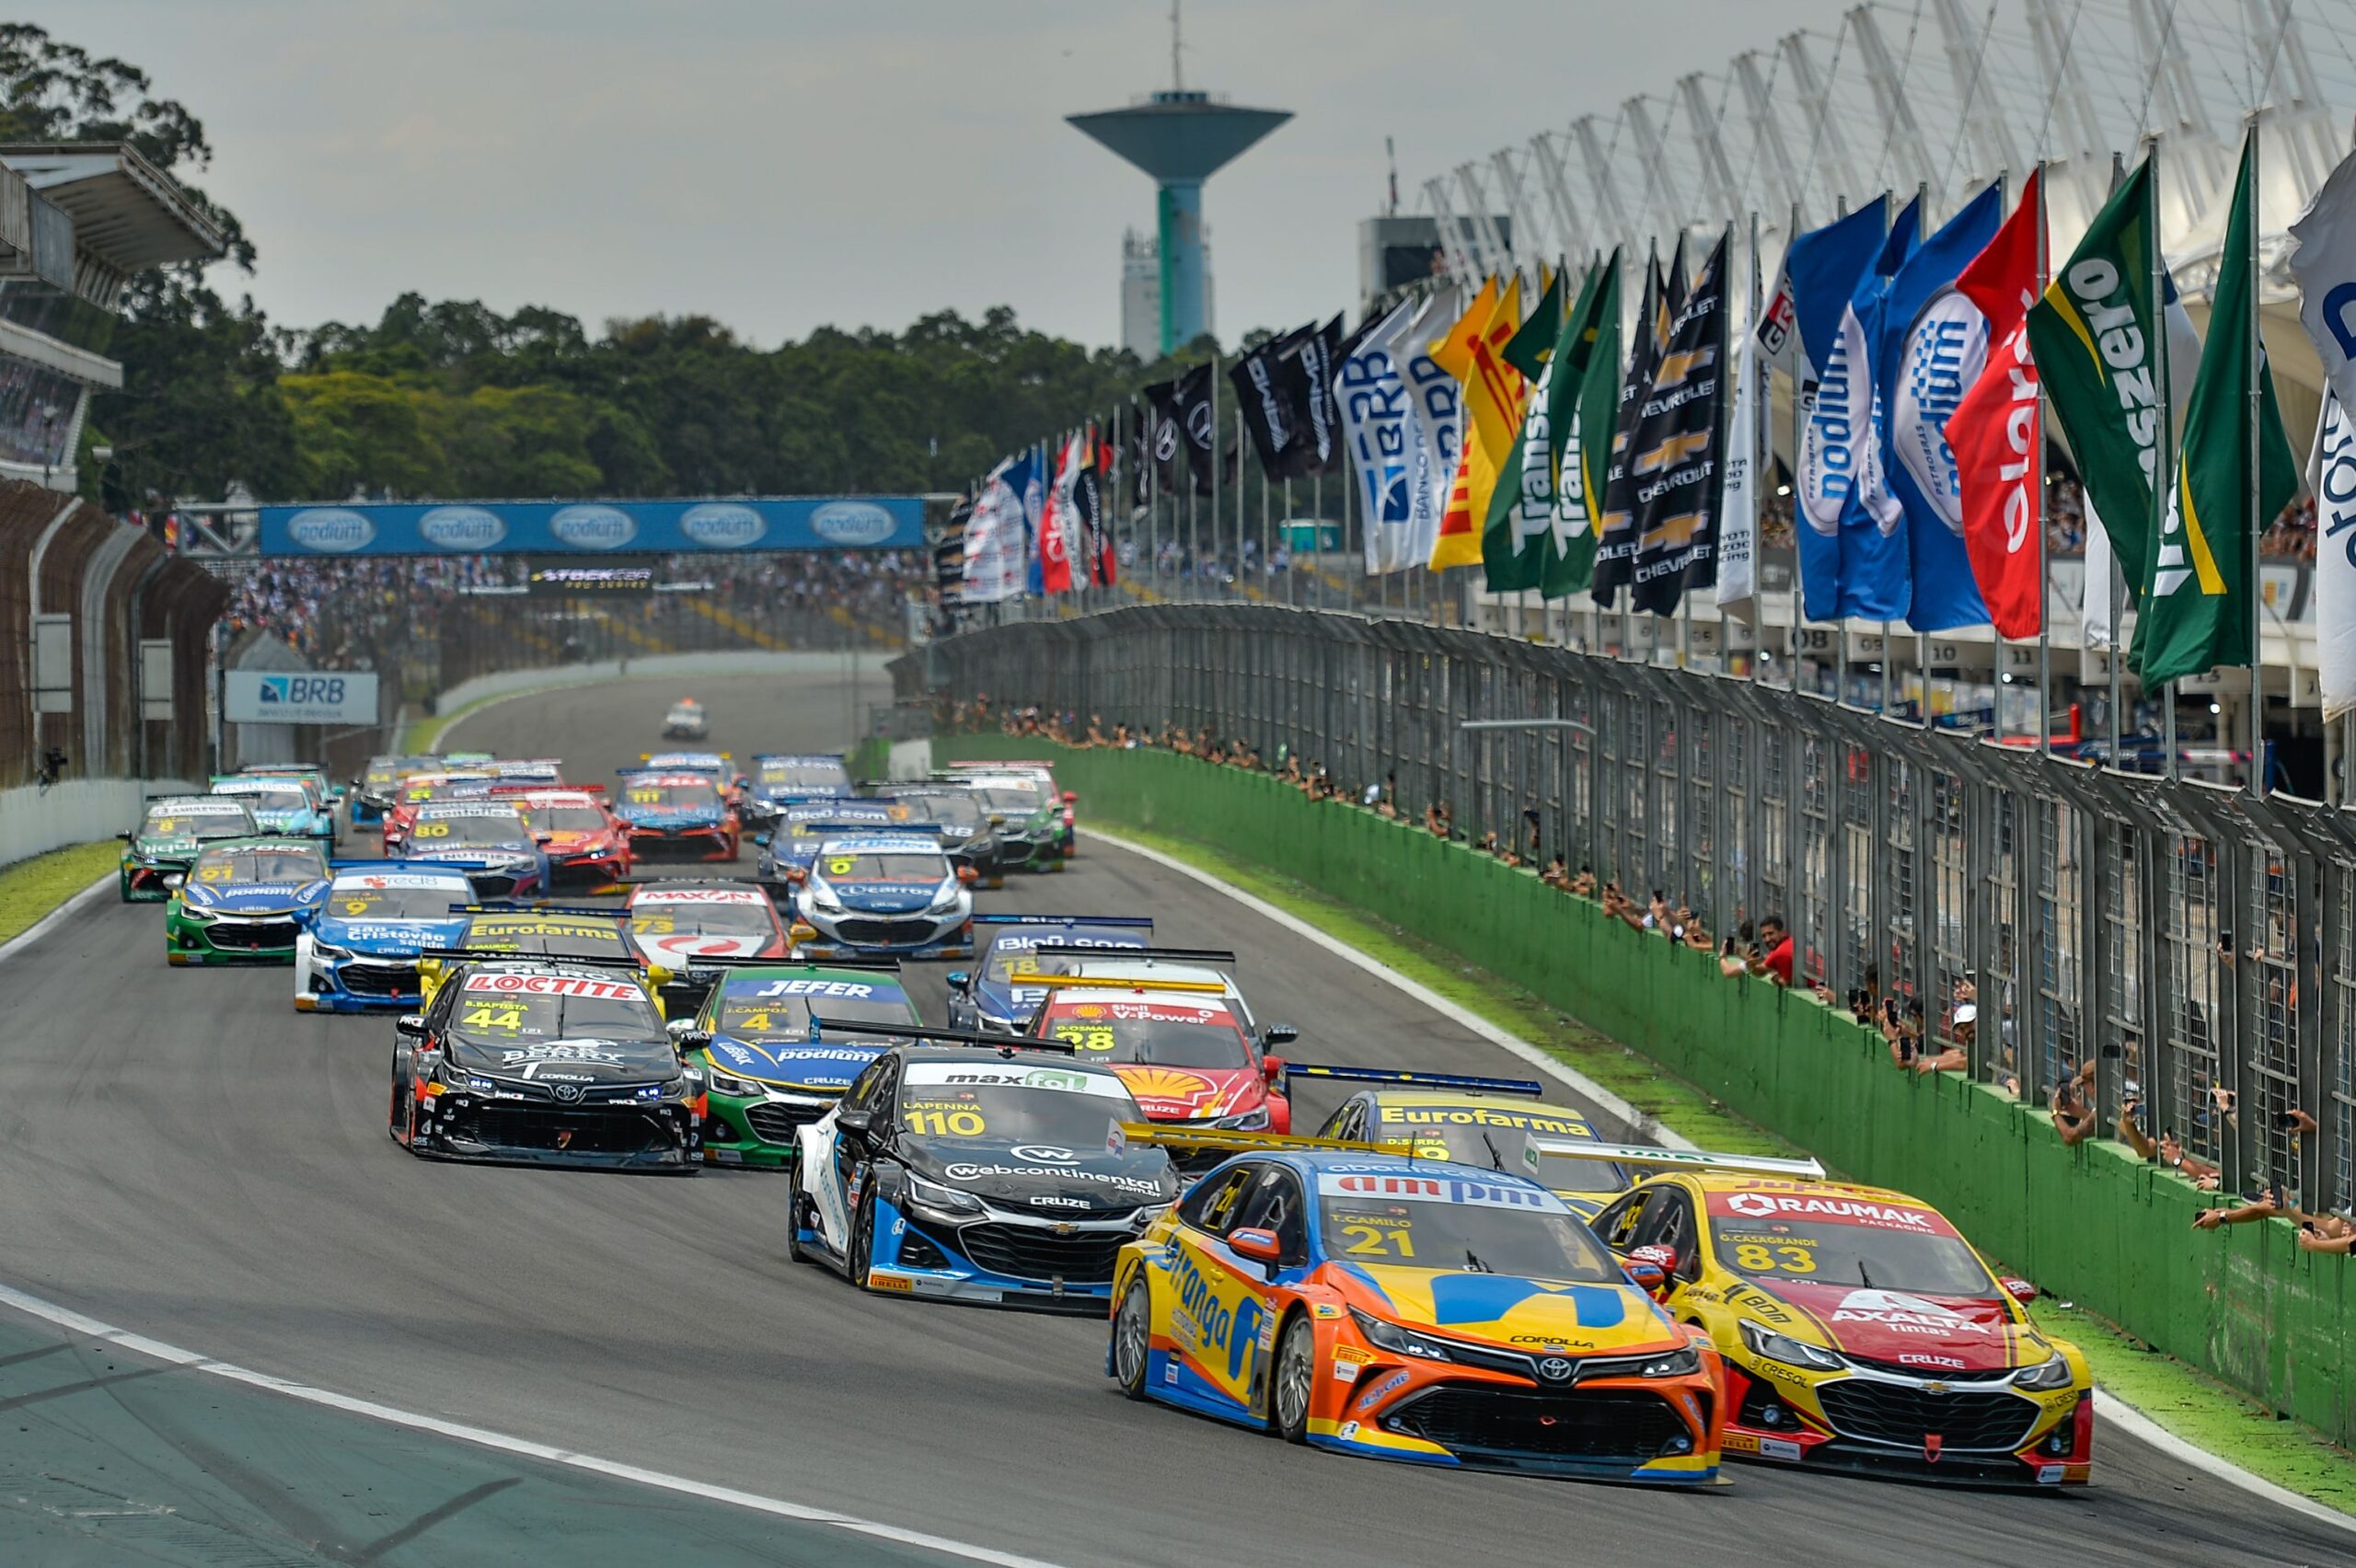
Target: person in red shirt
pixel 1776 939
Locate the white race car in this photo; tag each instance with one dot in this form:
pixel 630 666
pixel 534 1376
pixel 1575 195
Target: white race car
pixel 685 721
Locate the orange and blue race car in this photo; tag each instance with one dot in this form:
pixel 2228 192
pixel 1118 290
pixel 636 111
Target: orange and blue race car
pixel 1373 1303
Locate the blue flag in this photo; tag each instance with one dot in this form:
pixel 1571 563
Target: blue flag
pixel 1874 580
pixel 1824 267
pixel 1934 343
pixel 1021 477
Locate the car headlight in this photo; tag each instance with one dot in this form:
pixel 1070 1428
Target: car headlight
pixel 734 1087
pixel 947 1203
pixel 948 898
pixel 823 899
pixel 2051 1374
pixel 1680 1363
pixel 329 951
pixel 1248 1122
pixel 1399 1341
pixel 1787 1350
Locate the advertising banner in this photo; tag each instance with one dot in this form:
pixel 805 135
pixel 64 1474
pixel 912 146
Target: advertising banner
pixel 299 697
pixel 594 527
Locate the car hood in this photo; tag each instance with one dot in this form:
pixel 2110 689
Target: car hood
pixel 1506 1310
pixel 490 854
pixel 647 817
pixel 1933 1333
pixel 1185 1094
pixel 250 898
pixel 391 936
pixel 589 1062
pixel 885 899
pixel 565 843
pixel 683 948
pixel 1053 1180
pixel 814 1065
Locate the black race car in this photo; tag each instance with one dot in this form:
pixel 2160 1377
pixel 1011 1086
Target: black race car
pixel 545 1061
pixel 969 829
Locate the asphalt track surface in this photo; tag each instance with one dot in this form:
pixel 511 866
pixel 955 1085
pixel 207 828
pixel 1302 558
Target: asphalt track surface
pixel 184 1156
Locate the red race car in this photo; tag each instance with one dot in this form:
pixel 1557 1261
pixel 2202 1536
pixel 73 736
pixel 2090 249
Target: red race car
pixel 676 923
pixel 420 788
pixel 1177 1044
pixel 588 848
pixel 680 816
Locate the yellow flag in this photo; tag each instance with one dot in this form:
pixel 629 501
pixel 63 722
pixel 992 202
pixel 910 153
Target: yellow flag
pixel 1473 353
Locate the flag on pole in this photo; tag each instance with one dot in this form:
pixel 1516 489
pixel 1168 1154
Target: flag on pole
pixel 1520 516
pixel 1825 267
pixel 1308 362
pixel 996 557
pixel 1615 529
pixel 1196 416
pixel 1379 437
pixel 1678 457
pixel 1593 403
pixel 2200 604
pixel 1264 399
pixel 1738 594
pixel 1084 533
pixel 1435 419
pixel 2331 474
pixel 2324 263
pixel 1491 408
pixel 1875 583
pixel 1997 433
pixel 1026 496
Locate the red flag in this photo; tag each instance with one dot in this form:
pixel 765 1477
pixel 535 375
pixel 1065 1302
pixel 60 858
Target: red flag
pixel 1055 522
pixel 1997 431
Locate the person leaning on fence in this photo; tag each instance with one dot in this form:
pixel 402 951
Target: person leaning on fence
pixel 1775 943
pixel 1957 1055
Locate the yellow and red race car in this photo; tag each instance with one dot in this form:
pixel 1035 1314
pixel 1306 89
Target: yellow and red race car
pixel 1859 1329
pixel 1372 1303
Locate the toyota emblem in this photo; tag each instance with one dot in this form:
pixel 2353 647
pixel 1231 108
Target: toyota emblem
pixel 568 1091
pixel 1556 1369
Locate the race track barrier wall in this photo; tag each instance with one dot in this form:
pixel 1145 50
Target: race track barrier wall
pixel 2091 1224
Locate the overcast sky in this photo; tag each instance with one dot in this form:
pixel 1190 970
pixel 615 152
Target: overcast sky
pixel 785 164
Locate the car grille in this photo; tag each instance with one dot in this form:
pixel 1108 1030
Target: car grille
pixel 1903 1416
pixel 1506 1425
pixel 378 980
pixel 251 936
pixel 1026 1251
pixel 885 933
pixel 773 1123
pixel 493 885
pixel 542 1130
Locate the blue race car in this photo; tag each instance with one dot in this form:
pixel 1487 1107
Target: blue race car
pixel 799 826
pixel 778 778
pixel 884 895
pixel 676 814
pixel 487 839
pixel 983 999
pixel 285 807
pixel 361 951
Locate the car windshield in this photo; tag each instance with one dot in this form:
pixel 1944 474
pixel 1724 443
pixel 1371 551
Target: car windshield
pixel 1011 800
pixel 1498 1138
pixel 790 775
pixel 392 896
pixel 556 936
pixel 501 830
pixel 1168 1036
pixel 1012 950
pixel 496 1007
pixel 1817 1251
pixel 660 795
pixel 212 820
pixel 884 866
pixel 577 818
pixel 730 920
pixel 1478 1237
pixel 1028 1104
pixel 272 797
pixel 960 810
pixel 260 863
pixel 781 1009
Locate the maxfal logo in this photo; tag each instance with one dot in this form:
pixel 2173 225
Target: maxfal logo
pixel 595 527
pixel 852 523
pixel 462 528
pixel 332 530
pixel 723 525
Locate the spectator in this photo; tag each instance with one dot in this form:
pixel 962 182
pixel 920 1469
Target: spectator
pixel 1731 963
pixel 1583 885
pixel 1437 821
pixel 1776 939
pixel 1557 874
pixel 1956 1057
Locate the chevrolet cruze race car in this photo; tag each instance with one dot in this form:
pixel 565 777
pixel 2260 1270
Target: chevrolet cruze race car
pixel 677 815
pixel 1859 1331
pixel 969 830
pixel 1065 802
pixel 798 827
pixel 769 1069
pixel 244 900
pixel 684 720
pixel 986 1175
pixel 1460 1117
pixel 546 1062
pixel 361 951
pixel 780 777
pixel 1175 1043
pixel 588 850
pixel 1412 1309
pixel 884 895
pixel 170 831
pixel 288 807
pixel 487 839
pixel 986 996
pixel 372 794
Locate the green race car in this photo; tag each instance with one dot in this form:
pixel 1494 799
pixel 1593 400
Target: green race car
pixel 766 1069
pixel 244 901
pixel 169 836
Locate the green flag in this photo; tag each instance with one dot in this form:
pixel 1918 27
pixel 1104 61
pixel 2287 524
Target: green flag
pixel 2200 599
pixel 1590 401
pixel 1518 507
pixel 2096 335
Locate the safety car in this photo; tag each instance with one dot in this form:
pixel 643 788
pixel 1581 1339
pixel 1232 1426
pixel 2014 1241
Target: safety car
pixel 1418 1310
pixel 684 720
pixel 244 900
pixel 1502 1123
pixel 488 839
pixel 1176 1043
pixel 539 1061
pixel 677 814
pixel 992 1175
pixel 361 951
pixel 883 894
pixel 170 831
pixel 985 996
pixel 371 795
pixel 588 848
pixel 286 806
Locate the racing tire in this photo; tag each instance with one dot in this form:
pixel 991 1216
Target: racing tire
pixel 797 1209
pixel 861 1258
pixel 402 1119
pixel 1133 1337
pixel 1293 1381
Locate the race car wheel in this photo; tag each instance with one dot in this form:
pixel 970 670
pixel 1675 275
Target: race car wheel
pixel 401 1124
pixel 862 1243
pixel 1133 1336
pixel 798 1215
pixel 1295 1378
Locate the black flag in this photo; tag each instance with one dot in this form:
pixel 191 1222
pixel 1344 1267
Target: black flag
pixel 1615 537
pixel 1679 435
pixel 1088 513
pixel 1311 358
pixel 1196 418
pixel 1169 435
pixel 1264 394
pixel 1142 421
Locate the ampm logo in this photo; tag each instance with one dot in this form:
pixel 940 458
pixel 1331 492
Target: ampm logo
pixel 594 527
pixel 331 530
pixel 462 528
pixel 723 525
pixel 852 523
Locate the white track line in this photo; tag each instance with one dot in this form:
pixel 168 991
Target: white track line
pixel 2112 1409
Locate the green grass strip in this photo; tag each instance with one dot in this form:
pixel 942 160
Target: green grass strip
pixel 30 889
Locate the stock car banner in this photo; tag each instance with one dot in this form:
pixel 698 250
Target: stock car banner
pixel 594 527
pixel 1678 447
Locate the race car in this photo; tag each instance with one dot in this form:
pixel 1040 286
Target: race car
pixel 361 953
pixel 539 1061
pixel 540 931
pixel 170 831
pixel 1460 1117
pixel 969 830
pixel 882 895
pixel 780 777
pixel 487 837
pixel 689 925
pixel 718 766
pixel 244 901
pixel 1066 801
pixel 1859 1330
pixel 684 720
pixel 985 999
pixel 1176 1043
pixel 976 1175
pixel 769 1069
pixel 421 788
pixel 326 791
pixel 371 795
pixel 1420 1310
pixel 1031 837
pixel 588 848
pixel 287 807
pixel 797 827
pixel 673 814
pixel 1212 969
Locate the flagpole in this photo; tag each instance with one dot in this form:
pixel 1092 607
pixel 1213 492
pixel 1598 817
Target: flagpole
pixel 2253 370
pixel 2164 468
pixel 2044 523
pixel 2113 582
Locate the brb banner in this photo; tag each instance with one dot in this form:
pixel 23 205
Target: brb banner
pixel 550 527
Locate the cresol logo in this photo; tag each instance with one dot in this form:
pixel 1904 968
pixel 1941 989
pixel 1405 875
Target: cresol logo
pixel 594 527
pixel 723 525
pixel 462 528
pixel 333 530
pixel 852 523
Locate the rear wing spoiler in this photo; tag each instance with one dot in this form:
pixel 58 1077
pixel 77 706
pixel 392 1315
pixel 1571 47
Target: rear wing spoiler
pixel 1126 955
pixel 942 1036
pixel 984 764
pixel 1215 1140
pixel 647 758
pixel 526 906
pixel 1401 1078
pixel 1140 922
pixel 409 866
pixel 1679 1159
pixel 1110 982
pixel 880 965
pixel 550 787
pixel 503 955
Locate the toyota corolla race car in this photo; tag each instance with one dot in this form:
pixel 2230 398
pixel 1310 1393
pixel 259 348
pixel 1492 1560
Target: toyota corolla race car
pixel 1456 1116
pixel 1176 1043
pixel 677 923
pixel 718 766
pixel 684 720
pixel 372 794
pixel 588 850
pixel 770 1070
pixel 169 834
pixel 677 815
pixel 1030 833
pixel 244 900
pixel 976 1175
pixel 1411 1310
pixel 1064 801
pixel 361 952
pixel 288 807
pixel 986 997
pixel 884 895
pixel 969 830
pixel 780 777
pixel 487 839
pixel 546 1062
pixel 1859 1331
pixel 540 931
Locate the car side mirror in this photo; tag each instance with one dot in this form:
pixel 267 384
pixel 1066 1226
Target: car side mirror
pixel 959 979
pixel 997 819
pixel 1279 1035
pixel 762 839
pixel 1071 797
pixel 174 881
pixel 967 875
pixel 2019 1289
pixel 127 837
pixel 1646 1277
pixel 678 1029
pixel 1271 1068
pixel 859 1123
pixel 1654 1261
pixel 797 875
pixel 1260 1246
pixel 544 838
pixel 410 1026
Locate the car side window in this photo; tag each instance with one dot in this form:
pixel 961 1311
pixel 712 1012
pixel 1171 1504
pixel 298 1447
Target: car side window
pixel 867 1091
pixel 1274 1204
pixel 1668 1222
pixel 1619 1223
pixel 1212 1206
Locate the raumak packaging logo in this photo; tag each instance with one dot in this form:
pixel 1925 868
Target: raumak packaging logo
pixel 723 525
pixel 462 528
pixel 594 527
pixel 331 530
pixel 852 523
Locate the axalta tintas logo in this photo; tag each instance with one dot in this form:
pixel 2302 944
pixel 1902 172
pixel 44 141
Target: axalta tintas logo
pixel 462 528
pixel 332 530
pixel 594 527
pixel 723 525
pixel 852 523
